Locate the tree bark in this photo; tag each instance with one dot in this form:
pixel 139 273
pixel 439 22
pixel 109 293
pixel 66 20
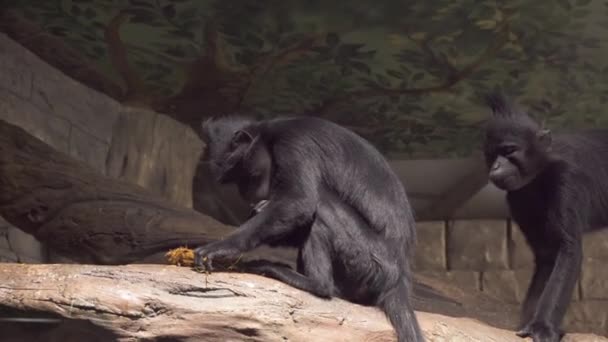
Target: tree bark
pixel 168 303
pixel 84 215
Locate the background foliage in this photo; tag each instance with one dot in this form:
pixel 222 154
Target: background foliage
pixel 402 73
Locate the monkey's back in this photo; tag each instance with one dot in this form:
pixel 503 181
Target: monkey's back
pixel 586 154
pixel 349 166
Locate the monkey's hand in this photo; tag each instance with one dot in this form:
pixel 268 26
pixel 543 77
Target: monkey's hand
pixel 540 332
pixel 204 255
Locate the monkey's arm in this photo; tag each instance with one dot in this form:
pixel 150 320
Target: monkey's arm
pixel 280 218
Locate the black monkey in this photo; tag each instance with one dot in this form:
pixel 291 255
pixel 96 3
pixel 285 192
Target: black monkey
pixel 328 192
pixel 557 189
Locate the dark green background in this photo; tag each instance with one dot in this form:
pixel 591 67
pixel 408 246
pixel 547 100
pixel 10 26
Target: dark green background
pixel 404 74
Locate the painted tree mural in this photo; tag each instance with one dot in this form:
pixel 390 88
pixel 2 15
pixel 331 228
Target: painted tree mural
pixel 404 74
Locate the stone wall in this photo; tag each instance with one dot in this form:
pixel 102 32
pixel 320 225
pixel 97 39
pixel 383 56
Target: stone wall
pixel 144 147
pixel 492 256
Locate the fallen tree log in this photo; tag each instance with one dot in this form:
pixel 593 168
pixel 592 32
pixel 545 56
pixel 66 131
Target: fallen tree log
pixel 84 215
pixel 169 303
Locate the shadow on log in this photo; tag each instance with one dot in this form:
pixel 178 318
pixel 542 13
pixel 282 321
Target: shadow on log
pixel 84 215
pixel 169 303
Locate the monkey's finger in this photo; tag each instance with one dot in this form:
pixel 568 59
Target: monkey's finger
pixel 207 262
pixel 524 332
pixel 199 257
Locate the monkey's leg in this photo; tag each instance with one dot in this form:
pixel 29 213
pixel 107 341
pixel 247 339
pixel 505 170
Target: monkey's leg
pixel 278 219
pixel 556 296
pixel 315 263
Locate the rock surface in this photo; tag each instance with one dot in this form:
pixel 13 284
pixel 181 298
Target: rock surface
pixel 154 302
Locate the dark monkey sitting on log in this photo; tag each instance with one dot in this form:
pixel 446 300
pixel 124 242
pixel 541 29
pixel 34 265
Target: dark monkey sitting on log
pixel 557 189
pixel 328 192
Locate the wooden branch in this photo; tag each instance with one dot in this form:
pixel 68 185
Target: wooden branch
pixel 55 52
pixel 212 86
pixel 84 215
pixel 119 58
pixel 272 60
pixel 153 302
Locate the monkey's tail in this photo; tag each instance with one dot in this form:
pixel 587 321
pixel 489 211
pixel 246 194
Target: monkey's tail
pixel 397 306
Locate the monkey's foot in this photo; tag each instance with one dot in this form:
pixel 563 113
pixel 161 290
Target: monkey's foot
pixel 540 332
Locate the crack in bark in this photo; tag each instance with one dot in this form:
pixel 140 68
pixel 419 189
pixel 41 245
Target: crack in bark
pixel 199 292
pixel 90 308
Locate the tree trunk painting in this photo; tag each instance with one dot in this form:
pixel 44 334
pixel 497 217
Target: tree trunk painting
pixel 84 215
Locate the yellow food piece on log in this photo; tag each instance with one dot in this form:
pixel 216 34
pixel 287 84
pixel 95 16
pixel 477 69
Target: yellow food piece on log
pixel 181 256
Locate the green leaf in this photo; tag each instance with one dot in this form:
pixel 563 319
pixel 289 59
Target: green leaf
pixel 418 35
pixel 590 43
pixel 75 10
pixel 579 13
pixel 143 19
pixel 188 13
pixel 90 13
pixel 418 76
pixel 486 24
pixel 141 3
pixel 565 4
pixel 99 51
pixel 366 54
pixel 30 15
pixel 245 57
pixel 254 41
pixel 348 50
pixel 383 80
pixel 181 33
pixel 321 50
pixel 332 39
pixel 140 12
pixel 360 66
pixel 169 11
pixel 346 71
pixel 89 37
pixel 58 31
pixel 99 25
pixel 175 51
pixel 395 73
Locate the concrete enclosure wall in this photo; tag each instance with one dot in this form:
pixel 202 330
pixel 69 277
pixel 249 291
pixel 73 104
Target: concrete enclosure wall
pixel 492 256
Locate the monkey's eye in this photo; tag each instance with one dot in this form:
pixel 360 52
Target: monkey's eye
pixel 508 149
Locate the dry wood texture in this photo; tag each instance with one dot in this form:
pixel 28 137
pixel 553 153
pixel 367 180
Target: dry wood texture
pixel 169 303
pixel 85 215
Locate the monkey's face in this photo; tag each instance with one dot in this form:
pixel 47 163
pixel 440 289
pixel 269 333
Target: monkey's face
pixel 227 146
pixel 514 159
pixel 228 163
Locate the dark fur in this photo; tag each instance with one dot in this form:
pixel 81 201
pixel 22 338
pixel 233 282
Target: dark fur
pixel 557 189
pixel 330 194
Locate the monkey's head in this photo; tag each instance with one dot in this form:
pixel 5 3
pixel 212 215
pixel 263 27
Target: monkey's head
pixel 516 147
pixel 237 154
pixel 228 142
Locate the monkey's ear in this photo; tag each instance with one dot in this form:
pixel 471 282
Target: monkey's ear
pixel 204 132
pixel 544 139
pixel 241 137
